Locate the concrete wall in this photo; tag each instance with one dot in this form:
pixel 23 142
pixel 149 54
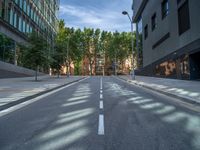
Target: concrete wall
pixel 10 71
pixel 136 5
pixel 9 33
pixel 168 25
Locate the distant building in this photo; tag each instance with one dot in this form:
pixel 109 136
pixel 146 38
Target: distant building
pixel 18 18
pixel 168 34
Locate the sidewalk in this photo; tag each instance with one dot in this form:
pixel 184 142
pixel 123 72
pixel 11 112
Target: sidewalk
pixel 188 91
pixel 17 90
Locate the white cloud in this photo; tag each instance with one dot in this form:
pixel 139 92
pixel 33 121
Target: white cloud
pixel 84 16
pixel 105 19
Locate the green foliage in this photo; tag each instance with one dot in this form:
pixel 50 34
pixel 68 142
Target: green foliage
pixel 72 46
pixel 75 45
pixel 35 54
pixel 6 49
pixel 57 58
pixel 77 68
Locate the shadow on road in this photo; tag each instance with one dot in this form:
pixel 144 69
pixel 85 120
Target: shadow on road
pixel 151 120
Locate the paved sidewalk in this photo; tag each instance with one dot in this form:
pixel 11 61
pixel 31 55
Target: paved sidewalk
pixel 16 90
pixel 186 90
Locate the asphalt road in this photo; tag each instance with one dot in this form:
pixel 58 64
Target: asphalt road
pixel 113 115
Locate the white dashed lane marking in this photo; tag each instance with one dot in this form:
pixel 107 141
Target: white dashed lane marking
pixel 101 116
pixel 101 104
pixel 101 125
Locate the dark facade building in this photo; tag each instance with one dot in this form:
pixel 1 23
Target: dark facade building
pixel 18 18
pixel 168 36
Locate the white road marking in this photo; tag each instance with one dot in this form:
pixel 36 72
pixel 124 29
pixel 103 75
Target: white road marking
pixel 21 105
pixel 101 96
pixel 101 125
pixel 101 116
pixel 101 87
pixel 101 104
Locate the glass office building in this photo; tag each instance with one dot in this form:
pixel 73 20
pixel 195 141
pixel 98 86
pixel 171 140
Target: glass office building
pixel 18 18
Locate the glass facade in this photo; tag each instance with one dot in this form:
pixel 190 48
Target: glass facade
pixel 27 16
pixel 7 48
pixel 140 42
pixel 22 17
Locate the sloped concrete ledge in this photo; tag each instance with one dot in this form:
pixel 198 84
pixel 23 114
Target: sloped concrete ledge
pixel 11 71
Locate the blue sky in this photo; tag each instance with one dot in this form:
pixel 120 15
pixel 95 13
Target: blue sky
pixel 103 14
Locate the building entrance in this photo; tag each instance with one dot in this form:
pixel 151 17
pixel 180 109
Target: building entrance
pixel 195 66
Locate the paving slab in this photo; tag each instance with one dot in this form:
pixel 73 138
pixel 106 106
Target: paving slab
pixel 13 90
pixel 184 89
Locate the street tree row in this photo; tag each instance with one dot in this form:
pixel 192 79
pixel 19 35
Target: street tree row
pixel 76 46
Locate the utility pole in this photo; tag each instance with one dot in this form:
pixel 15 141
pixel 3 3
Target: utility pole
pixel 132 43
pixel 68 57
pixel 115 63
pixel 15 57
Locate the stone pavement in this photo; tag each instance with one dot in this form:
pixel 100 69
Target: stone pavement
pixel 185 90
pixel 14 90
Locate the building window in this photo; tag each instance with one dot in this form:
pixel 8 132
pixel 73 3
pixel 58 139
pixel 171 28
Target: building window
pixel 165 8
pixel 1 10
pixel 31 15
pixel 153 22
pixel 21 4
pixel 11 16
pixel 27 28
pixel 183 18
pixel 19 24
pixel 31 29
pixel 28 10
pixel 15 20
pixel 24 8
pixel 145 31
pixel 179 1
pixel 24 27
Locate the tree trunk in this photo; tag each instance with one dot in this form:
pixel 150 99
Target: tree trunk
pixel 70 69
pixel 95 62
pixel 36 73
pixel 58 73
pixel 90 69
pixel 67 69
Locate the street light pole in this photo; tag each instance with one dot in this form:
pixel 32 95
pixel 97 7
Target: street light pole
pixel 68 57
pixel 15 55
pixel 115 63
pixel 132 42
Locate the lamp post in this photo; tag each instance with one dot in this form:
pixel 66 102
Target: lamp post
pixel 132 42
pixel 68 65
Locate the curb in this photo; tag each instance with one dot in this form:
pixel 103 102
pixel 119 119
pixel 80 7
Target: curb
pixel 6 106
pixel 185 99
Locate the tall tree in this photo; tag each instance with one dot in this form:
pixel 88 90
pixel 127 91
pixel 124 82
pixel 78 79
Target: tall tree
pixel 59 55
pixel 57 59
pixel 76 46
pixel 84 46
pixel 88 49
pixel 35 53
pixel 96 46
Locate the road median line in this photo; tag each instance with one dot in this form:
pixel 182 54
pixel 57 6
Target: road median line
pixel 101 125
pixel 101 116
pixel 101 104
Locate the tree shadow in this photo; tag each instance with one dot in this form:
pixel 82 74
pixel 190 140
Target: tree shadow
pixel 60 122
pixel 156 123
